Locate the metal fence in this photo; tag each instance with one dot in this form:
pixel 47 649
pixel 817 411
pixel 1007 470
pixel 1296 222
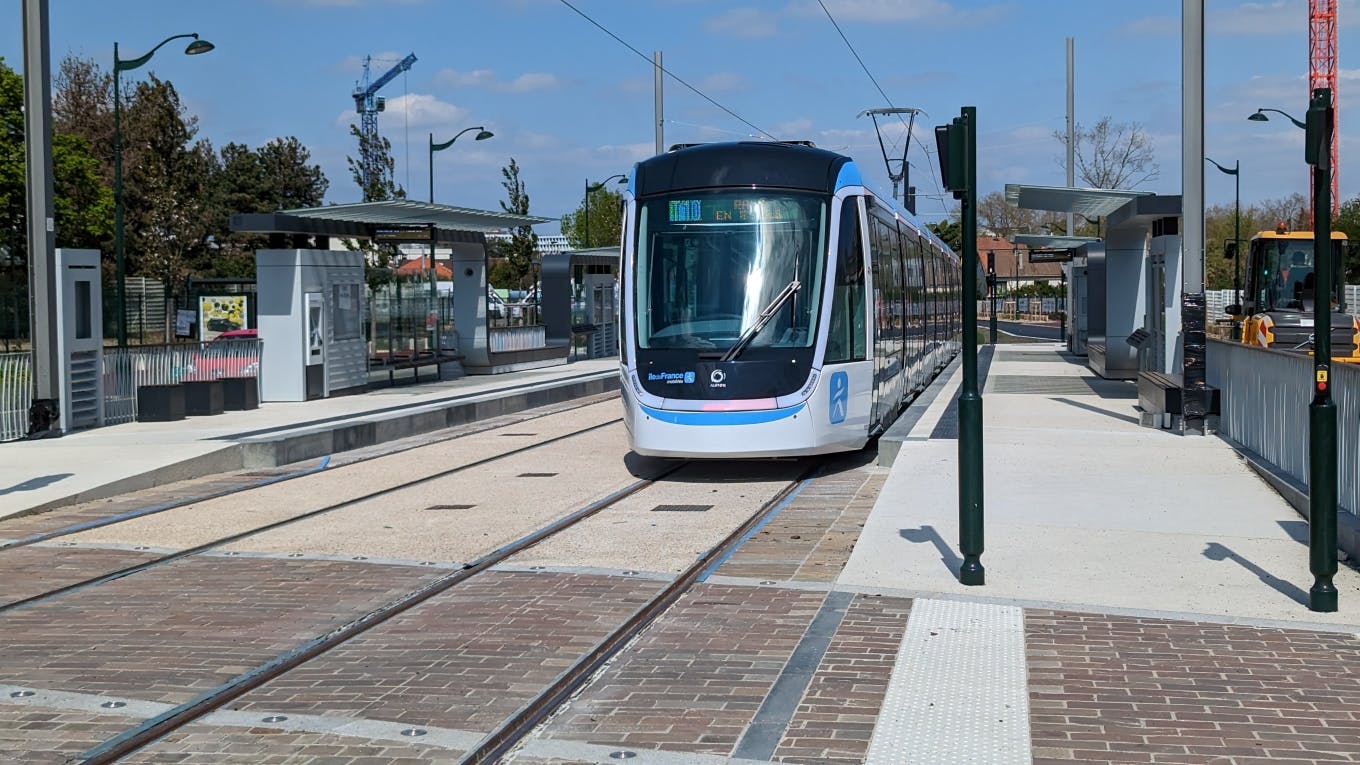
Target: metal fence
pixel 502 339
pixel 127 369
pixel 16 393
pixel 1265 396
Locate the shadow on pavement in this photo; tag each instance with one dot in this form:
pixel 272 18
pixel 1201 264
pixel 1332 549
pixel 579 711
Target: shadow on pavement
pixel 1216 551
pixel 33 484
pixel 1097 410
pixel 928 534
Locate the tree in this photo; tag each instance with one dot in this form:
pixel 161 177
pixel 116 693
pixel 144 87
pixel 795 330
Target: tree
pixel 1348 221
pixel 520 253
pixel 379 187
pixel 951 231
pixel 1001 218
pixel 1111 155
pixel 82 105
pixel 605 220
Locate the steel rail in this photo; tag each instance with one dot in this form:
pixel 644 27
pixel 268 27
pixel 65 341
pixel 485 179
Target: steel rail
pixel 177 555
pixel 517 726
pixel 149 731
pixel 474 429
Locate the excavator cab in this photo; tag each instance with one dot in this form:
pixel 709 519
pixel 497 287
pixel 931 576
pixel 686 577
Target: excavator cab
pixel 1280 295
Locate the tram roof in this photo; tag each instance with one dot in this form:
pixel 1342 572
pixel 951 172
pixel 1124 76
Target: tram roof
pixel 740 163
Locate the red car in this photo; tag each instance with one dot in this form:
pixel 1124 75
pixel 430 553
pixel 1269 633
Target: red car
pixel 226 355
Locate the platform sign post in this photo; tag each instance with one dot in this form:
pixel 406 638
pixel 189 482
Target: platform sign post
pixel 1322 446
pixel 957 145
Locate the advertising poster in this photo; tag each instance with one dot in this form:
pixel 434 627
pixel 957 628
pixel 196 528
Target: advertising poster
pixel 220 313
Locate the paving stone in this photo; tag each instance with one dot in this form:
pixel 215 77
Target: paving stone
pixel 35 735
pixel 172 632
pixel 218 745
pixel 464 660
pixel 1120 689
pixel 34 570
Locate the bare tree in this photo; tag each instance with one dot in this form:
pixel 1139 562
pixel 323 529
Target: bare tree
pixel 1001 218
pixel 1111 155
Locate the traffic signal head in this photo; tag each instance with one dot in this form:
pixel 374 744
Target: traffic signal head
pixel 952 146
pixel 1316 124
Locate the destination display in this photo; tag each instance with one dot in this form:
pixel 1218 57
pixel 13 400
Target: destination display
pixel 730 210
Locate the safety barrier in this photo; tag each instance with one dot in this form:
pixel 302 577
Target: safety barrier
pixel 502 339
pixel 16 393
pixel 127 369
pixel 1265 398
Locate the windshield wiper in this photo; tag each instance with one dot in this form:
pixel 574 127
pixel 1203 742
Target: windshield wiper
pixel 761 320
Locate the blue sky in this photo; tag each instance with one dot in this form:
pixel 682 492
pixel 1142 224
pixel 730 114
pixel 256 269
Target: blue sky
pixel 570 103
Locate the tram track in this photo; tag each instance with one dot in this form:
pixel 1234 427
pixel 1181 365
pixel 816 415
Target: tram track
pixel 137 568
pixel 325 465
pixel 511 731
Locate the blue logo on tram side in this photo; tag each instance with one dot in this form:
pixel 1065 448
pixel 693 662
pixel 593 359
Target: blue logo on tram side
pixel 689 377
pixel 840 397
pixel 671 378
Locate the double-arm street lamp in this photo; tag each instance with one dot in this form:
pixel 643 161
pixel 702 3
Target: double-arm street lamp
pixel 1237 229
pixel 591 188
pixel 119 66
pixel 482 135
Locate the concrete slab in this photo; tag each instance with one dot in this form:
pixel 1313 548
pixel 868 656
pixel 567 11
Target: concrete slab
pixel 1086 509
pixel 103 462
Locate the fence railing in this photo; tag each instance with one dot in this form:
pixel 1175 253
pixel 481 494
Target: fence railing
pixel 1264 401
pixel 503 339
pixel 16 393
pixel 127 369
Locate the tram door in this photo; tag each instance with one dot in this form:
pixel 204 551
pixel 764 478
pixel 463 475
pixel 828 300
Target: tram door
pixel 887 319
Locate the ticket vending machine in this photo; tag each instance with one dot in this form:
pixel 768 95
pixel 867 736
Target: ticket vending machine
pixel 310 319
pixel 80 339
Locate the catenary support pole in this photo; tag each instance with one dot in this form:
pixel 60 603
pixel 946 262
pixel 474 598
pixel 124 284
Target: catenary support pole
pixel 43 278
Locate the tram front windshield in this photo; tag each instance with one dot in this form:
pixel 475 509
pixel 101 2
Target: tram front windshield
pixel 709 264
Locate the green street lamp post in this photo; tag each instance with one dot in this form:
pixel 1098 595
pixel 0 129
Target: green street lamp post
pixel 119 66
pixel 1237 235
pixel 482 135
pixel 591 188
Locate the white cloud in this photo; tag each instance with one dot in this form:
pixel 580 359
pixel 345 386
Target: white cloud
pixel 723 82
pixel 417 110
pixel 748 23
pixel 1280 17
pixel 880 11
pixel 1151 26
pixel 487 79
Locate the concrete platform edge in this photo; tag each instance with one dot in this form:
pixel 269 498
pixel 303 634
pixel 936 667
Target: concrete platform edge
pixel 1296 494
pixel 331 438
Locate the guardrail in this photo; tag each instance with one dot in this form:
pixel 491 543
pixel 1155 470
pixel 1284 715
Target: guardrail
pixel 127 369
pixel 1264 402
pixel 502 339
pixel 16 393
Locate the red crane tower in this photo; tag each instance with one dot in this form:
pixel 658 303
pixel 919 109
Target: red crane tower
pixel 1322 70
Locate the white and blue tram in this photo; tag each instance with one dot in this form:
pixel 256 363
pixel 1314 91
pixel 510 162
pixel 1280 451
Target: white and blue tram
pixel 772 305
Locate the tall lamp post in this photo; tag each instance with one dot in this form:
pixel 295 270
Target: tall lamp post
pixel 119 66
pixel 591 188
pixel 482 135
pixel 1237 234
pixel 1260 116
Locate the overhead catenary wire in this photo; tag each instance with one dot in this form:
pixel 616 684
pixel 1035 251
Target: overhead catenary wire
pixel 910 136
pixel 666 71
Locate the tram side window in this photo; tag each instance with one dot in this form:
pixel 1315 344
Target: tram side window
pixel 845 338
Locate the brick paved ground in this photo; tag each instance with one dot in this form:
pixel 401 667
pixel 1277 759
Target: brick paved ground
pixel 29 571
pixel 218 745
pixel 811 539
pixel 171 632
pixel 31 735
pixel 693 681
pixel 835 719
pixel 464 660
pixel 1110 689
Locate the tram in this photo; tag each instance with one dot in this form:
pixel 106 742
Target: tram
pixel 772 305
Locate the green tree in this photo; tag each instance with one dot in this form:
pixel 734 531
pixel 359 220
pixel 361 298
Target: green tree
pixel 951 231
pixel 83 205
pixel 605 220
pixel 521 252
pixel 379 187
pixel 1348 221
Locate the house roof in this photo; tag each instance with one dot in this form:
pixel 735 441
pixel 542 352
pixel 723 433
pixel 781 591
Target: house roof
pixel 417 266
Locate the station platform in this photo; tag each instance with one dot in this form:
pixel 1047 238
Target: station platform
pixel 103 462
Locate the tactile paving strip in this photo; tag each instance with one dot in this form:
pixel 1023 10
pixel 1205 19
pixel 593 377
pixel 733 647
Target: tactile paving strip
pixel 958 692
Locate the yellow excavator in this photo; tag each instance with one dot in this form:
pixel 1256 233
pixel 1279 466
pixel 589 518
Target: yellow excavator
pixel 1278 299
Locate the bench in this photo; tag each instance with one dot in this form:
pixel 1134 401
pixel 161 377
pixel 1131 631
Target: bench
pixel 414 361
pixel 1163 394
